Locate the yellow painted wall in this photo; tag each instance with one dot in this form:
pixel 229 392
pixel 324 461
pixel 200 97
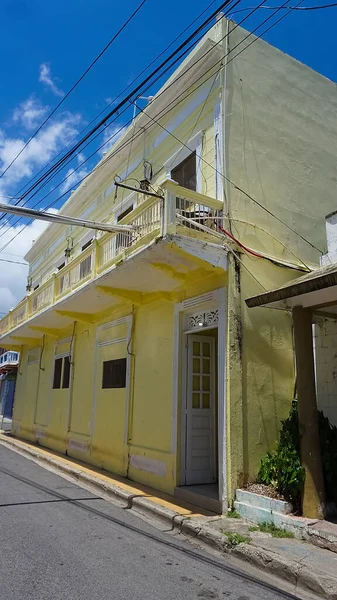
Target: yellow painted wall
pixel 151 410
pixel 260 370
pixel 82 380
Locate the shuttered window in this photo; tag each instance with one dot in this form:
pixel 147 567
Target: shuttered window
pixel 61 373
pixel 114 373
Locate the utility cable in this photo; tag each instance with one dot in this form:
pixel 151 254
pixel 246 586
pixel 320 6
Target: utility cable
pixel 323 6
pixel 99 133
pixel 158 95
pixel 221 174
pixel 121 29
pixel 232 183
pixel 116 97
pixel 129 97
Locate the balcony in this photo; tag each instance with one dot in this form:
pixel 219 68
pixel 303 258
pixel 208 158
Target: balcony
pixel 9 359
pixel 180 212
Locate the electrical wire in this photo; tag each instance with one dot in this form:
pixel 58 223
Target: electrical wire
pixel 114 37
pixel 129 97
pixel 116 97
pixel 158 95
pixel 232 183
pixel 322 6
pixel 125 109
pixel 14 262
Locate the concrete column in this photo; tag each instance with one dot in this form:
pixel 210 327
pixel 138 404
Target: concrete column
pixel 314 495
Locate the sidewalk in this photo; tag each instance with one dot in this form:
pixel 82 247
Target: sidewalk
pixel 300 563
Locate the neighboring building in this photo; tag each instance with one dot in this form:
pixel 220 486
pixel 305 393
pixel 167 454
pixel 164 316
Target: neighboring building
pixel 312 299
pixel 139 354
pixel 9 362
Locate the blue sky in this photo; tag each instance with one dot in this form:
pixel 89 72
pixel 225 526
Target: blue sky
pixel 46 46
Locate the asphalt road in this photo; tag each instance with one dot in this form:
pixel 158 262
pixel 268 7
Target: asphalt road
pixel 59 541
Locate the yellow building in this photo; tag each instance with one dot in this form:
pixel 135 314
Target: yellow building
pixel 138 353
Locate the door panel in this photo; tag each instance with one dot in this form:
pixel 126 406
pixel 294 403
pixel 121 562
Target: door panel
pixel 200 411
pixel 110 406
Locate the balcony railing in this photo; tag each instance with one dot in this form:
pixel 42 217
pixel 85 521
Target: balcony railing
pixel 179 211
pixel 9 358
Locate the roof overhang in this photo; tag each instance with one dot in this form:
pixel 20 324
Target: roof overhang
pixel 313 290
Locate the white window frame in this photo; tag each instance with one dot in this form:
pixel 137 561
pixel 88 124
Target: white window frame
pixel 85 239
pixel 119 209
pixel 194 145
pixel 218 152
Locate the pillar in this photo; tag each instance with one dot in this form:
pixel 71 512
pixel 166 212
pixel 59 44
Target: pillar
pixel 313 495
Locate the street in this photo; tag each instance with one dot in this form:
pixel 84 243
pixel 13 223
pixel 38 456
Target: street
pixel 60 541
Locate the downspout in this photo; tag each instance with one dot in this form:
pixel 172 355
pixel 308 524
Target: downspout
pixel 130 351
pixel 223 119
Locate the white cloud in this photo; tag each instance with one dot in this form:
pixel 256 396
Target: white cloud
pixel 30 113
pixel 46 78
pixel 13 276
pixel 114 132
pixel 53 137
pixel 72 178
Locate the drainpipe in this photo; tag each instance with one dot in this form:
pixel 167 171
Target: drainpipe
pixel 130 351
pixel 223 118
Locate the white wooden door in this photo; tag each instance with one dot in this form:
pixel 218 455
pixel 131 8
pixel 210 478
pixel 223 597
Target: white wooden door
pixel 200 464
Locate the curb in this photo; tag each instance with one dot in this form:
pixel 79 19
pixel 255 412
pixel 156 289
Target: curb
pixel 193 527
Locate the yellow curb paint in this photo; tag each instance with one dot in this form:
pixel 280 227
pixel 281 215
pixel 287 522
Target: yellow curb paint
pixel 139 491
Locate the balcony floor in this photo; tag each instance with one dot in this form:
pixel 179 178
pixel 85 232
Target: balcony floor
pixel 164 266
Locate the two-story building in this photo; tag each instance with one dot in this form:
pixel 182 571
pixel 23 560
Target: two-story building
pixel 138 353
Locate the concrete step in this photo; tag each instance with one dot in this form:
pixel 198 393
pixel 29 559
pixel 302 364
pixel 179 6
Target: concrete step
pixel 271 504
pixel 255 514
pixel 198 499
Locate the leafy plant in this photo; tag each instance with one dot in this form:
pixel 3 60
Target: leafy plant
pixel 236 538
pixel 233 514
pixel 282 468
pixel 275 531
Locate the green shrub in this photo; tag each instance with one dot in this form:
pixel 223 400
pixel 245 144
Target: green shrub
pixel 282 468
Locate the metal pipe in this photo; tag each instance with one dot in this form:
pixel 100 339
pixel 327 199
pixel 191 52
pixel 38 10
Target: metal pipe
pixel 63 219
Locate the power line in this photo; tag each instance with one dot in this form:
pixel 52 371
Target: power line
pixel 222 175
pixel 15 262
pixel 113 101
pixel 322 6
pixel 99 133
pixel 231 182
pixel 119 149
pixel 118 96
pixel 121 29
pixel 133 93
pixel 135 137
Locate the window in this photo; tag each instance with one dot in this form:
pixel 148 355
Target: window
pixel 57 373
pixel 61 266
pixel 124 239
pixel 124 213
pixel 36 287
pixel 61 373
pixel 114 373
pixel 66 372
pixel 85 246
pixel 185 174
